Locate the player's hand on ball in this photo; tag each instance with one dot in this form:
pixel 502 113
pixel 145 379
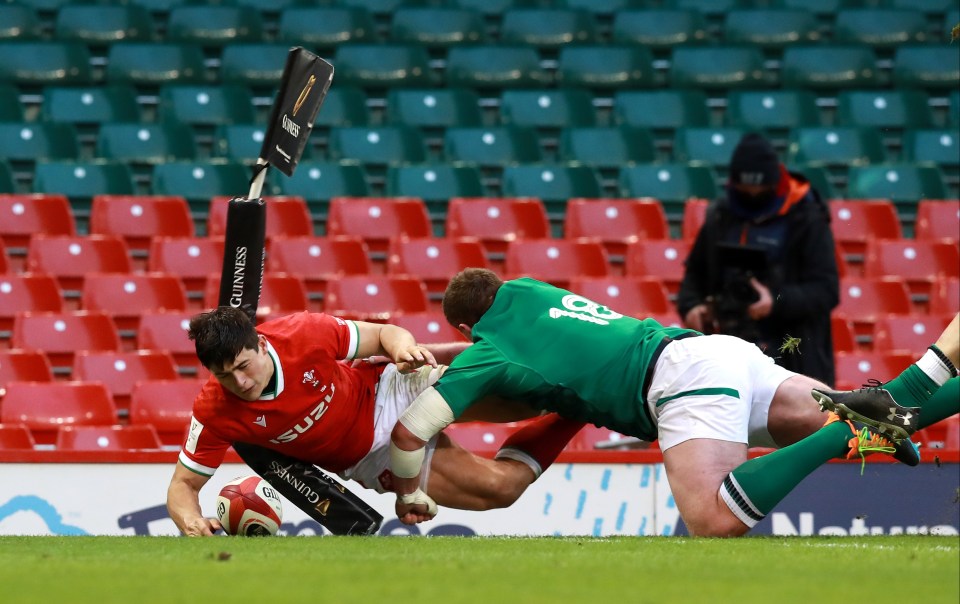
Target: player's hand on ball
pixel 201 527
pixel 415 507
pixel 414 357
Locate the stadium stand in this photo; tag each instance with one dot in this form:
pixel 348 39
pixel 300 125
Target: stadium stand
pixel 434 260
pixel 325 27
pixel 911 333
pixel 661 110
pixel 166 405
pixel 25 292
pixel 495 146
pixel 921 264
pixel 638 297
pixel 829 67
pixel 856 221
pixel 606 148
pixel 939 146
pixel 694 213
pixel 280 294
pixel 344 106
pixel 90 105
pixel 432 108
pixel 481 438
pixel 61 334
pixel 120 371
pixel 287 216
pixel 841 146
pixel 857 368
pixel 489 67
pixel 437 27
pixel 317 260
pixel 378 145
pixel 42 62
pixel 539 108
pixel 772 111
pixel 555 261
pixel 706 145
pixel 659 29
pixel 191 259
pixel 138 219
pixel 945 297
pixel 844 335
pixel 19 23
pixel 497 221
pixel 18 365
pixel 103 24
pixel 375 297
pixel 107 438
pixel 16 436
pixel 616 223
pixel 661 258
pixel 935 68
pixel 601 68
pixel 771 28
pixel 902 183
pixel 318 182
pixel 547 28
pixel 881 28
pixel 378 219
pixel 907 108
pixel 26 215
pixel 81 180
pixel 143 143
pixel 434 183
pixel 167 331
pixel 213 25
pixel 865 300
pixel 71 258
pixel 938 219
pixel 553 185
pixel 718 68
pixel 24 143
pixel 384 66
pixel 206 105
pixel 44 407
pixel 199 181
pixel 148 65
pixel 125 296
pixel 672 183
pixel 428 327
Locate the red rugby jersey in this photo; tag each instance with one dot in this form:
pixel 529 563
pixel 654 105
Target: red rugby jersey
pixel 322 411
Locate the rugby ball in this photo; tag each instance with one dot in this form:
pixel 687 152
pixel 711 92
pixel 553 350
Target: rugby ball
pixel 249 506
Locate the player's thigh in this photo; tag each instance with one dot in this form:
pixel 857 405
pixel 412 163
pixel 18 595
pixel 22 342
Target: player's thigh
pixel 696 469
pixel 498 410
pixel 461 479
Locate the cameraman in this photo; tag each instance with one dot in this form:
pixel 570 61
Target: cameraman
pixel 779 212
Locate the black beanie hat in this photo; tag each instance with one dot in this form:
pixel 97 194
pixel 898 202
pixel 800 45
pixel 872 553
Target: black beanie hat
pixel 754 162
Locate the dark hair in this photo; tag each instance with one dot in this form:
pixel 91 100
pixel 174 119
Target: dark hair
pixel 469 295
pixel 220 335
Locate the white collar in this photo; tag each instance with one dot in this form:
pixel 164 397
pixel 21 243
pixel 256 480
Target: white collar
pixel 278 373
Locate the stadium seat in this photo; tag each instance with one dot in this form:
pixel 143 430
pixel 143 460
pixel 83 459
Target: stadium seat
pixel 883 108
pixel 910 333
pixel 481 438
pixel 659 29
pixel 213 25
pixel 561 108
pixel 493 146
pixel 865 300
pixel 616 223
pixel 23 292
pixel 378 219
pixel 882 28
pixel 637 297
pixel 377 145
pixel 286 217
pixel 486 66
pixel 150 64
pixel 902 183
pixel 707 145
pixel 661 258
pixel 384 66
pixel 437 27
pixel 434 260
pixel 938 219
pixel 31 142
pixel 242 142
pixel 374 297
pixel 428 327
pixel 10 108
pixel 672 183
pixel 820 179
pixel 772 110
pixel 940 146
pixel 844 336
pixel 107 438
pixel 606 147
pixel 317 260
pixel 16 436
pixel 254 65
pixel 71 258
pixel 6 177
pixel 167 405
pixel 592 438
pixel 23 366
pixel 22 216
pixel 555 261
pixel 945 297
pixel 919 263
pixel 433 108
pixel 207 105
pixel 120 371
pixel 124 297
pixel 826 9
pixel 606 67
pixel 39 63
pixel 929 67
pixel 553 184
pixel 146 143
pixel 854 222
pixel 139 218
pixel 434 183
pixel 840 146
pixel 190 258
pixel 199 181
pixel 19 23
pixel 4 262
pixel 90 105
pixel 717 67
pixel 694 213
pixel 547 28
pixel 43 407
pixel 661 109
pixel 325 27
pixel 280 294
pixel 318 182
pixel 829 67
pixel 497 221
pixel 80 181
pixel 103 24
pixel 492 8
pixel 344 106
pixel 167 331
pixel 772 28
pixel 712 8
pixel 856 368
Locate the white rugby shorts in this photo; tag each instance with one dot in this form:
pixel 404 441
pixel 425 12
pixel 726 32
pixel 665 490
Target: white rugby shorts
pixel 717 387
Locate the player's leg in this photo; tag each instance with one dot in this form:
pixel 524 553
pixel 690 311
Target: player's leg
pixel 460 479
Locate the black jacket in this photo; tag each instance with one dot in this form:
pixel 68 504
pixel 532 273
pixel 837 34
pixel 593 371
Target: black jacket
pixel 802 274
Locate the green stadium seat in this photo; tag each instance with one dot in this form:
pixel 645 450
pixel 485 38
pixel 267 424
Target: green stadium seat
pixel 42 63
pixel 659 29
pixel 253 64
pixel 882 28
pixel 344 106
pixel 242 142
pixel 557 108
pixel 493 146
pixel 606 67
pixel 103 24
pixel 325 27
pixel 929 7
pixel 270 7
pixel 438 27
pixel 822 8
pixel 318 182
pixel 151 64
pixel 382 7
pixel 6 178
pixel 934 67
pixel 771 28
pixel 955 107
pixel 207 105
pixel 829 67
pixel 145 143
pixel 10 108
pixel 941 146
pixel 383 65
pixel 488 66
pixel 723 67
pixel 707 7
pixel 19 23
pixel 672 183
pixel 661 109
pixel 772 109
pixel 90 105
pixel 377 145
pixel 884 108
pixel 706 145
pixel 199 181
pixel 553 184
pixel 819 178
pixel 80 181
pixel 435 184
pixel 160 8
pixel 435 108
pixel 214 25
pixel 836 146
pixel 602 7
pixel 607 147
pixel 32 141
pixel 547 27
pixel 903 183
pixel 493 8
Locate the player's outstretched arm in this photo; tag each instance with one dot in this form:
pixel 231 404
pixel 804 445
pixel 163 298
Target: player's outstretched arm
pixel 183 503
pixel 396 343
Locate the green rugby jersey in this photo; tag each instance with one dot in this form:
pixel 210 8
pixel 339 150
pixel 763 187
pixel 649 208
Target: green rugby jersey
pixel 558 352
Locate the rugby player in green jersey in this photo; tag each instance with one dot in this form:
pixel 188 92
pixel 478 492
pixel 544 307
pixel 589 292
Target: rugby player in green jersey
pixel 705 398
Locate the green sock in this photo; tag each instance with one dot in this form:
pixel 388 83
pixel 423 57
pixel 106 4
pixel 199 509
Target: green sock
pixel 912 388
pixel 944 403
pixel 765 481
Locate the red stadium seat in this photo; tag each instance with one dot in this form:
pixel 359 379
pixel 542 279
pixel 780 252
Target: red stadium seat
pixel 125 297
pixel 668 319
pixel 856 368
pixel 910 333
pixel 856 221
pixel 27 292
pixel 138 218
pixel 375 297
pixel 428 327
pixel 497 221
pixel 280 294
pixel 317 260
pixel 16 436
pixel 938 219
pixel 920 263
pixel 119 371
pixel 864 300
pixel 556 261
pixel 166 405
pixel 23 366
pixel 45 406
pixel 23 216
pixel 481 438
pixel 192 259
pixel 4 261
pixel 287 216
pixel 694 213
pixel 434 260
pixel 107 438
pixel 376 220
pixel 167 331
pixel 945 297
pixel 633 296
pixel 592 438
pixel 61 335
pixel 70 259
pixel 662 258
pixel 844 336
pixel 616 222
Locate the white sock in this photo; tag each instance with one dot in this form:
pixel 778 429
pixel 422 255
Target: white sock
pixel 932 365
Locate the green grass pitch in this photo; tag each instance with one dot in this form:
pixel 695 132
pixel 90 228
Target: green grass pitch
pixel 450 570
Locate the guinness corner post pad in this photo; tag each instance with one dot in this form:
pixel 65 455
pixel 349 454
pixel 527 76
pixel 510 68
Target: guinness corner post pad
pixel 306 79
